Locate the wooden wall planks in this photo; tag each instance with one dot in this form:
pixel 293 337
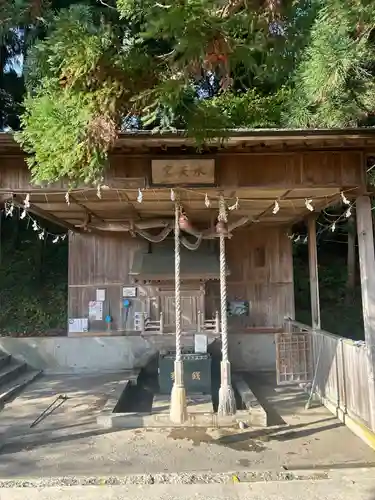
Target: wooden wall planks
pixel 267 284
pixel 259 259
pixel 104 262
pixel 313 168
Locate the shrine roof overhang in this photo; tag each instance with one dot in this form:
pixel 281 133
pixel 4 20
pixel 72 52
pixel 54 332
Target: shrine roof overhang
pixel 119 212
pixel 257 181
pixel 143 140
pixel 253 138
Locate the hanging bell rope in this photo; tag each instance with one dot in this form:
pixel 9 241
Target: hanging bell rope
pixel 154 238
pixel 191 246
pixel 178 411
pixel 227 402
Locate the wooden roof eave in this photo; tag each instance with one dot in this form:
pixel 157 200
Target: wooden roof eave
pixel 141 139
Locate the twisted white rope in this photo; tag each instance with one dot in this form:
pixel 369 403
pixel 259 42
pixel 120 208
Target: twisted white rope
pixel 191 246
pixel 227 400
pixel 223 282
pixel 154 238
pixel 177 273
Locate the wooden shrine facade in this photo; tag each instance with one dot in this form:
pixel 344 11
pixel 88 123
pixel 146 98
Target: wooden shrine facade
pixel 270 179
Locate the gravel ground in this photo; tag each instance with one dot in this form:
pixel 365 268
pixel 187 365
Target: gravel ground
pixel 176 478
pixel 339 488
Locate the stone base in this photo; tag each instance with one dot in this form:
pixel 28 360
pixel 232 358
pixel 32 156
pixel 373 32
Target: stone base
pixel 200 414
pixel 249 401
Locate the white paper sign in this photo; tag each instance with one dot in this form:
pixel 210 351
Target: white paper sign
pixel 95 310
pixel 100 295
pixel 129 291
pixel 78 325
pixel 200 343
pixel 138 321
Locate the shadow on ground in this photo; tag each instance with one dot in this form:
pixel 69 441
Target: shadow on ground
pixel 241 441
pixel 69 442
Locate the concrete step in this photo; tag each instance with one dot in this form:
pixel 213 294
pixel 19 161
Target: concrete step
pixel 11 371
pixel 249 400
pixel 5 359
pixel 14 387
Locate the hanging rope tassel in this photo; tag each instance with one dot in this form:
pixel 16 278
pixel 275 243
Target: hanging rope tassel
pixel 178 409
pixel 227 401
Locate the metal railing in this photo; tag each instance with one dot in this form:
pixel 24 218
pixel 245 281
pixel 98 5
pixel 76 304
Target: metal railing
pixel 340 374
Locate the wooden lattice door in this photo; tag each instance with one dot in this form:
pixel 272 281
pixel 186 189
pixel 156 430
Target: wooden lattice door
pixel 192 302
pixel 293 358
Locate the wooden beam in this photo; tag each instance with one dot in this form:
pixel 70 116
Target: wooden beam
pixel 367 266
pixel 87 210
pixel 45 215
pixel 304 216
pixel 270 207
pixel 314 278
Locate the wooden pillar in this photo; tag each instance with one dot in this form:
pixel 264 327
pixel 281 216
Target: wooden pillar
pixel 313 268
pixel 367 267
pixel 351 261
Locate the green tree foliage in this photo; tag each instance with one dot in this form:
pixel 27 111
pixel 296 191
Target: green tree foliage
pixel 11 82
pixel 80 87
pixel 205 66
pixel 158 62
pixel 334 84
pixel 33 277
pixel 17 17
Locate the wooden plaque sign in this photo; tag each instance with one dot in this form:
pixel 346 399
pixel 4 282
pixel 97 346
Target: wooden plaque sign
pixel 189 171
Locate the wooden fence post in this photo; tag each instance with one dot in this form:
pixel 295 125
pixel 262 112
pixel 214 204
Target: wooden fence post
pixel 367 267
pixel 342 380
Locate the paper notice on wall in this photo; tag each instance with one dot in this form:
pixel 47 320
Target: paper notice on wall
pixel 138 321
pixel 95 310
pixel 78 325
pixel 129 291
pixel 100 295
pixel 200 343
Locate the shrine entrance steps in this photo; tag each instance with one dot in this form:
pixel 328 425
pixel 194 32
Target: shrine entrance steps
pixel 14 377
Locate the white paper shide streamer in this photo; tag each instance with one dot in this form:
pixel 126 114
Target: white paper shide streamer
pixel 276 207
pixel 207 201
pixel 344 199
pixel 26 202
pixel 308 204
pixel 235 206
